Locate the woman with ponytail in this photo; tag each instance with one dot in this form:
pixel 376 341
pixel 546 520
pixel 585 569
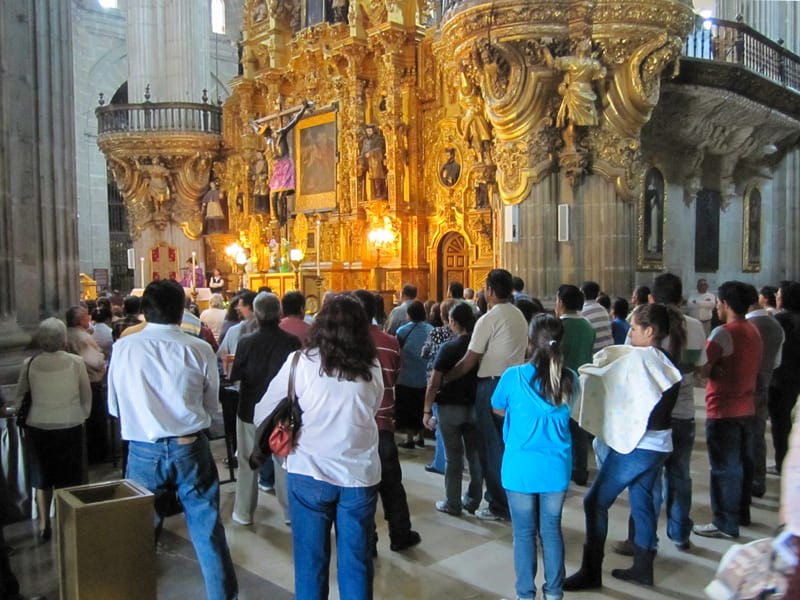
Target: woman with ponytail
pixel 534 400
pixel 634 458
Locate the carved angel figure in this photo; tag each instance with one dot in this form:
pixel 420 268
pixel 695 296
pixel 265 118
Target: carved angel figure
pixel 578 103
pixel 473 126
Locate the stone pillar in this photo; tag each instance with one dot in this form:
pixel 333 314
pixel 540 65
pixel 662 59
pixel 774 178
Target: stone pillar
pixel 38 214
pixel 168 47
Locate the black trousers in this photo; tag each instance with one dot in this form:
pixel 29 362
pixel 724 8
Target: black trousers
pixel 390 489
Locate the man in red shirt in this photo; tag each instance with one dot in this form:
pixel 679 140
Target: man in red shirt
pixel 293 305
pixel 734 354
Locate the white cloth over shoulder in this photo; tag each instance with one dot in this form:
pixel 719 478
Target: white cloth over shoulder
pixel 618 393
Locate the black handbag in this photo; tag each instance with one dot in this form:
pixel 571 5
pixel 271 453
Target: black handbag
pixel 284 422
pixel 25 408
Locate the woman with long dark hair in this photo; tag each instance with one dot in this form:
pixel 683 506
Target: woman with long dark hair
pixel 634 458
pixel 334 471
pixel 534 400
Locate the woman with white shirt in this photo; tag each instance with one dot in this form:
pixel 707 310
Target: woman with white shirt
pixel 334 471
pixel 61 401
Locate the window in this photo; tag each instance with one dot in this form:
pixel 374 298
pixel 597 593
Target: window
pixel 218 16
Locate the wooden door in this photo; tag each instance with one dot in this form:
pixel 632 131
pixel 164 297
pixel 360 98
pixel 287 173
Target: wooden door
pixel 453 263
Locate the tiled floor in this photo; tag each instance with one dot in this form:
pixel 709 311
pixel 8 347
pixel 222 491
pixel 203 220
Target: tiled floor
pixel 460 558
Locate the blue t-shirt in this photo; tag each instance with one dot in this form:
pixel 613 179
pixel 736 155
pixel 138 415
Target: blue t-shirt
pixel 619 329
pixel 538 454
pixel 413 372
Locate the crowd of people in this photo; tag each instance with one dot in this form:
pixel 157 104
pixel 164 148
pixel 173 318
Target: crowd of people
pixel 514 394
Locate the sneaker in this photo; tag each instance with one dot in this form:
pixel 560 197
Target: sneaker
pixel 469 505
pixel 486 514
pixel 443 506
pixel 712 531
pixel 407 445
pixel 267 488
pixel 412 538
pixel 431 469
pixel 683 546
pixel 237 519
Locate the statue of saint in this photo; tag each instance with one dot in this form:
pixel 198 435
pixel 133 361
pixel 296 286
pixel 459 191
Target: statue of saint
pixel 260 184
pixel 373 153
pixel 283 179
pixel 215 217
pixel 578 103
pixel 473 126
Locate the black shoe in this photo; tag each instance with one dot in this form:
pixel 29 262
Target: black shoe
pixel 412 538
pixel 432 469
pixel 590 575
pixel 407 445
pixel 758 492
pixel 642 570
pixel 45 535
pixel 420 442
pixel 233 463
pixel 581 479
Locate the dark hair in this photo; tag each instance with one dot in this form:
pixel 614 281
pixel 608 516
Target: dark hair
pixel 528 307
pixel 462 314
pixel 163 301
pixel 416 311
pixel 103 301
pixel 480 302
pixel 553 380
pixel 665 321
pixel 101 314
pixel 340 334
pixel 435 315
pixel 769 291
pixel 232 315
pixel 501 283
pixel 73 315
pixel 517 283
pixel 132 305
pixel 409 291
pixel 667 289
pixel 265 288
pixel 790 295
pixel 590 289
pixel 604 301
pixel 620 308
pixel 247 298
pixel 367 300
pixel 456 289
pixel 737 295
pixel 571 297
pixel 293 303
pixel 642 294
pixel 380 309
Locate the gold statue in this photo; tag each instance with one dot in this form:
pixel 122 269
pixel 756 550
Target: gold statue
pixel 473 126
pixel 578 103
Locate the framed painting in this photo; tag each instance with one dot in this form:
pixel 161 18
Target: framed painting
pixel 316 157
pixel 706 236
pixel 751 236
pixel 651 221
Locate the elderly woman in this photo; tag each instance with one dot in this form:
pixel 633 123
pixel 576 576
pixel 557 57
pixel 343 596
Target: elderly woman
pixel 334 471
pixel 61 401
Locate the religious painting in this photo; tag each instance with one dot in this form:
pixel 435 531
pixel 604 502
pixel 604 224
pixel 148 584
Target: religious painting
pixel 706 235
pixel 651 221
pixel 751 238
pixel 315 149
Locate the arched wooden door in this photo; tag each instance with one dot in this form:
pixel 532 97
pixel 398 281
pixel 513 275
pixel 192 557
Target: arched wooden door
pixel 453 263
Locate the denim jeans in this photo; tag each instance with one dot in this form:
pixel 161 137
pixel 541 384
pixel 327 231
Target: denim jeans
pixel 391 490
pixel 266 475
pixel 539 515
pixel 491 447
pixel 636 471
pixel 678 481
pixel 314 507
pixel 457 427
pixel 168 465
pixel 439 454
pixel 730 453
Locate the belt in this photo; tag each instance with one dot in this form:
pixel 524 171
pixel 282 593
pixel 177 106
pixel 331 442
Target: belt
pixel 181 439
pixel 490 378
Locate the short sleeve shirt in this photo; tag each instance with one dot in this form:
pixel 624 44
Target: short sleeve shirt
pixel 500 336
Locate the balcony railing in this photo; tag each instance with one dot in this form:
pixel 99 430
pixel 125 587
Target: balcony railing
pixel 182 117
pixel 734 42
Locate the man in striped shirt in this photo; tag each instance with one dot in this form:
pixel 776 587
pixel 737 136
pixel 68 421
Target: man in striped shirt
pixel 596 315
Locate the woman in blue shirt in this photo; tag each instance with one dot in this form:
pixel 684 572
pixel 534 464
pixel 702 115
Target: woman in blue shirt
pixel 534 399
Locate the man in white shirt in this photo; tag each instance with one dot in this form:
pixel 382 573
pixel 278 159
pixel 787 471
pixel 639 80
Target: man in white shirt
pixel 498 342
pixel 596 315
pixel 163 386
pixel 399 315
pixel 701 305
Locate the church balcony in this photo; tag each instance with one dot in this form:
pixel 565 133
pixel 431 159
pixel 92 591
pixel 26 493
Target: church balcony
pixel 159 117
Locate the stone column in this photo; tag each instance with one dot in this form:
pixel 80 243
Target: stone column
pixel 38 214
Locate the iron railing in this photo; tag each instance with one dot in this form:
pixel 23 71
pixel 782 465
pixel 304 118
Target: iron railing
pixel 735 42
pixel 159 116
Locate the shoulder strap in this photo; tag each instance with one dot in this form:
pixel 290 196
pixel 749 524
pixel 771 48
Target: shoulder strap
pixel 290 393
pixel 403 341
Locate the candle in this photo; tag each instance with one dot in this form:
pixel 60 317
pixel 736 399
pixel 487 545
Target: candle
pixel 141 270
pixel 194 270
pixel 319 245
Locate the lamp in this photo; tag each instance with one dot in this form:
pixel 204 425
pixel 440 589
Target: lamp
pixel 238 260
pixel 381 237
pixel 296 256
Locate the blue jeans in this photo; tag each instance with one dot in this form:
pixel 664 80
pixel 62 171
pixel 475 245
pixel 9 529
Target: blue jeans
pixel 439 454
pixel 166 466
pixel 490 447
pixel 678 481
pixel 539 515
pixel 457 427
pixel 315 506
pixel 636 471
pixel 730 453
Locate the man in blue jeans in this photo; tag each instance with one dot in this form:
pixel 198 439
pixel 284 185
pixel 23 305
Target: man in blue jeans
pixel 498 342
pixel 163 386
